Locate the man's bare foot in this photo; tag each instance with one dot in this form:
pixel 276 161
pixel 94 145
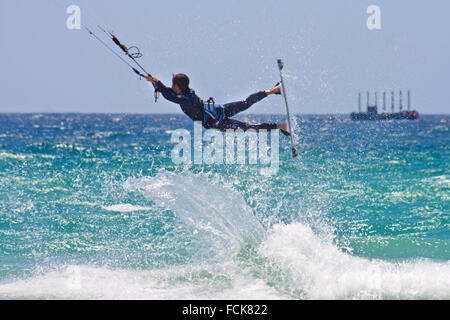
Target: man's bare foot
pixel 282 126
pixel 284 129
pixel 274 90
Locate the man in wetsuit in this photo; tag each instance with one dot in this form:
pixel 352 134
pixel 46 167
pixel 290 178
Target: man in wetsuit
pixel 210 114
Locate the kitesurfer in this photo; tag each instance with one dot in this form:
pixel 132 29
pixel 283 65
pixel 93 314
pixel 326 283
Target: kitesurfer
pixel 209 113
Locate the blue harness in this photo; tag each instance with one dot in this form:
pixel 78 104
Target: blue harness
pixel 213 114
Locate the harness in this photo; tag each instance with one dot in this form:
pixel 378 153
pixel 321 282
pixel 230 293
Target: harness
pixel 213 114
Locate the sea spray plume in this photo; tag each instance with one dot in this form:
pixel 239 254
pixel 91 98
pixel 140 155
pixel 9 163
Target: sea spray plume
pixel 217 216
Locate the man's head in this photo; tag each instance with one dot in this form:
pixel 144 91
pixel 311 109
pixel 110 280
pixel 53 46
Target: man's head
pixel 180 83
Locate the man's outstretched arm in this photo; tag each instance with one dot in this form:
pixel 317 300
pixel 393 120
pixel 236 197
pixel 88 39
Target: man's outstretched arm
pixel 167 93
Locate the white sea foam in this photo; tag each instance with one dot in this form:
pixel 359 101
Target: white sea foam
pixel 125 207
pixel 186 282
pixel 319 270
pixel 442 180
pixel 103 134
pixel 20 156
pixel 5 155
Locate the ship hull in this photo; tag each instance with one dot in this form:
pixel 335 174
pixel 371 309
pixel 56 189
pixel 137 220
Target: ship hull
pixel 404 115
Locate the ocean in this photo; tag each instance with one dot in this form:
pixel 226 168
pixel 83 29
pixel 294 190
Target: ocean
pixel 92 206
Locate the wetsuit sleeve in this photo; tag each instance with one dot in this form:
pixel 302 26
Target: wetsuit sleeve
pixel 170 95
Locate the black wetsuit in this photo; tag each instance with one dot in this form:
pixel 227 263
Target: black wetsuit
pixel 193 107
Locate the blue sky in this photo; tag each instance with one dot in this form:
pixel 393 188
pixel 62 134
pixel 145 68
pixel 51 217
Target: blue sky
pixel 229 50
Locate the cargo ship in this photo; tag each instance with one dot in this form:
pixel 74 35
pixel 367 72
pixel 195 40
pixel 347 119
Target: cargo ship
pixel 372 110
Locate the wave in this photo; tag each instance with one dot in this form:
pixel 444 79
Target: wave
pixel 313 268
pixel 235 257
pixel 292 263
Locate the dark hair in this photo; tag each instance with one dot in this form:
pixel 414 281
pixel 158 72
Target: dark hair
pixel 181 80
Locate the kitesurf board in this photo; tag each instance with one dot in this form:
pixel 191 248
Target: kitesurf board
pixel 283 89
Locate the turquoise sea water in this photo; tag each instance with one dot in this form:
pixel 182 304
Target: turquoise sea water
pixel 92 207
